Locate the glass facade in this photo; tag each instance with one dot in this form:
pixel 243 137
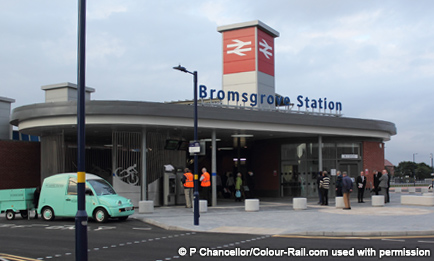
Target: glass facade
pixel 300 165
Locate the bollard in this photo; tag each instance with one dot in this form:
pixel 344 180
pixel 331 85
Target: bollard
pixel 146 207
pixel 377 201
pixel 340 202
pixel 251 205
pixel 299 203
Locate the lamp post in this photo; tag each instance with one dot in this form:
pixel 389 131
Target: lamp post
pixel 81 216
pixel 431 157
pixel 414 171
pixel 196 175
pixel 432 170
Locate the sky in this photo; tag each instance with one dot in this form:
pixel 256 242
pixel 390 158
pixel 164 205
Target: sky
pixel 375 57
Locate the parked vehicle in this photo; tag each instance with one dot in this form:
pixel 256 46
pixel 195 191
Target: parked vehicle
pixel 14 201
pixel 58 198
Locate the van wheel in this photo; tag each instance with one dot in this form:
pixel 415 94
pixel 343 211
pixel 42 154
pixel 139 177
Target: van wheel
pixel 123 218
pixel 100 215
pixel 24 214
pixel 47 214
pixel 10 215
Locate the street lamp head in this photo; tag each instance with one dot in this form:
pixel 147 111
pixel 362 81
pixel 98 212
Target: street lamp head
pixel 180 68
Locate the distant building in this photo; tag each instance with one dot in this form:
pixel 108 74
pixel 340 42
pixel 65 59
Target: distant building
pixel 389 167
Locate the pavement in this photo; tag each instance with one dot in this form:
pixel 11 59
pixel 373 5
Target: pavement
pixel 277 217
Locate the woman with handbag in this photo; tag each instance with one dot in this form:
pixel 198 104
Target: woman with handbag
pixel 238 186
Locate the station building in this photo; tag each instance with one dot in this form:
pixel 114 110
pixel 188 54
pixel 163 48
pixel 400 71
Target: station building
pixel 245 126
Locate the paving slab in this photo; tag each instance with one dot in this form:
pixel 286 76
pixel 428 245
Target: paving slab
pixel 277 217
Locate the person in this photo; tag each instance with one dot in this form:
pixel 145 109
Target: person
pixel 205 184
pixel 188 182
pixel 219 186
pixel 383 184
pixel 377 176
pixel 324 185
pixel 238 186
pixel 318 181
pixel 361 184
pixel 230 184
pixel 251 184
pixel 339 184
pixel 36 195
pixel 347 188
pixel 387 189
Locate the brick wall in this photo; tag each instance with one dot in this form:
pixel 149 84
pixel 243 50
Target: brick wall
pixel 20 164
pixel 373 159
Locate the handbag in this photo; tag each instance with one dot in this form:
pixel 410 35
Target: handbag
pixel 238 194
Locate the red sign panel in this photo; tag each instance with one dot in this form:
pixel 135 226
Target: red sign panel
pixel 239 51
pixel 265 53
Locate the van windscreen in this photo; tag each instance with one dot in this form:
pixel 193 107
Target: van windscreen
pixel 101 187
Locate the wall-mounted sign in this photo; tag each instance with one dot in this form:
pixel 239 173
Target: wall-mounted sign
pixel 349 156
pixel 194 147
pixel 255 99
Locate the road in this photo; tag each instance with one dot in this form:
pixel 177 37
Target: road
pixel 134 240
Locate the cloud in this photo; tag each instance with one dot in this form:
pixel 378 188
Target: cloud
pixel 376 57
pixel 225 12
pixel 100 10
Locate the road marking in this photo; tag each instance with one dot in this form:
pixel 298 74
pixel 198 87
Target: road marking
pixel 341 237
pixel 394 240
pixel 429 242
pixel 104 228
pixel 13 257
pixel 142 228
pixel 224 246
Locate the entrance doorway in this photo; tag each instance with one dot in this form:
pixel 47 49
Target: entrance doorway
pixel 352 168
pixel 290 185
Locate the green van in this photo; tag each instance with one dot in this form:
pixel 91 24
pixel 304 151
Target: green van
pixel 58 198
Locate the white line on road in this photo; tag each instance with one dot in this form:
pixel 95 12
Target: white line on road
pixel 395 240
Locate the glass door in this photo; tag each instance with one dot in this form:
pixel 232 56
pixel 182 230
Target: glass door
pixel 290 185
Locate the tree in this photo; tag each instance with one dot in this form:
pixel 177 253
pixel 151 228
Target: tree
pixel 409 168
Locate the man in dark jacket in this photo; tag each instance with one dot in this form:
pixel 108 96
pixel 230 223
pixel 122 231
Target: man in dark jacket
pixel 250 184
pixel 339 185
pixel 318 181
pixel 347 188
pixel 377 176
pixel 361 184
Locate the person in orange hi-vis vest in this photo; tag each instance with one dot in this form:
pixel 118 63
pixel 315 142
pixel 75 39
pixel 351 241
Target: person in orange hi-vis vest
pixel 205 184
pixel 188 182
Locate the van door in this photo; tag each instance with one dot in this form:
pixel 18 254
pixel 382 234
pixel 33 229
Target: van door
pixel 70 205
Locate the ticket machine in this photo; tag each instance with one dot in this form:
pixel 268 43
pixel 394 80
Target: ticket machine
pixel 169 189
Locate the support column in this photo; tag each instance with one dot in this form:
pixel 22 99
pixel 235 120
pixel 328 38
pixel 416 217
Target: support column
pixel 320 153
pixel 114 157
pixel 214 169
pixel 144 167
